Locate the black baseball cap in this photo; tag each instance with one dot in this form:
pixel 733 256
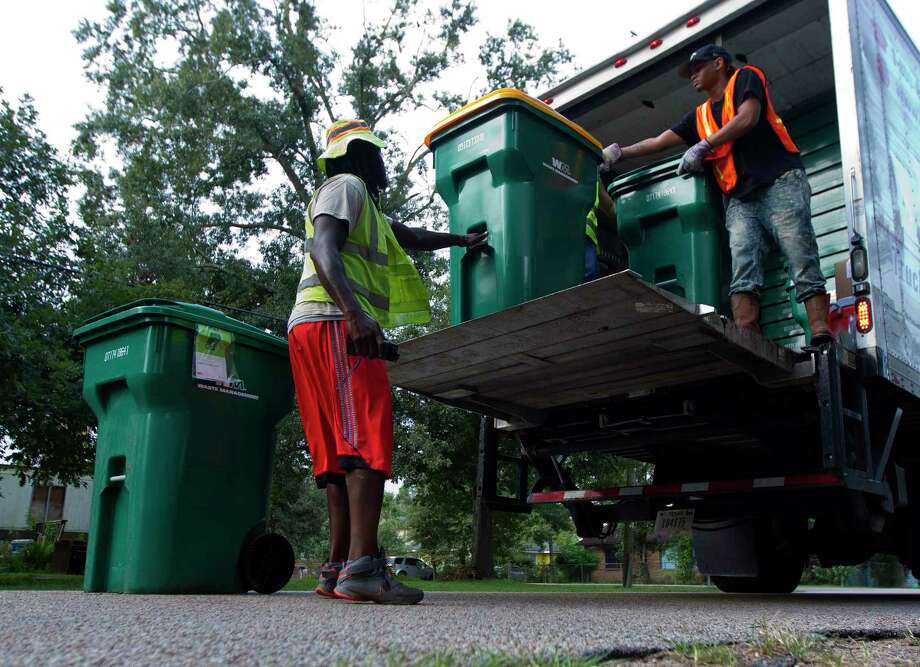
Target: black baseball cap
pixel 704 54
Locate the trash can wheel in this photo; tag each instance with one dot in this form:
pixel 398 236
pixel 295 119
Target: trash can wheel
pixel 267 563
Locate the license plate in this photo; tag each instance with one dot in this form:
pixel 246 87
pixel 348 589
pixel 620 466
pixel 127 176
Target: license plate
pixel 670 523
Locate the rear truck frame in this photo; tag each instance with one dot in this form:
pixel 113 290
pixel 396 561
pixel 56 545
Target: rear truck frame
pixel 782 451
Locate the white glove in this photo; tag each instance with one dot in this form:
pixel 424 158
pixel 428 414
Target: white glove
pixel 612 155
pixel 693 158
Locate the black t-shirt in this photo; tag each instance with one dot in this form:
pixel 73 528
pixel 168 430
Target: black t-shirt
pixel 760 157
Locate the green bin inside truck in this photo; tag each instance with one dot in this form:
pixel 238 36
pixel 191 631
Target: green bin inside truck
pixel 187 400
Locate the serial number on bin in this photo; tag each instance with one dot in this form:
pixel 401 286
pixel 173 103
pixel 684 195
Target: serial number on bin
pixel 117 353
pixel 661 194
pixel 472 141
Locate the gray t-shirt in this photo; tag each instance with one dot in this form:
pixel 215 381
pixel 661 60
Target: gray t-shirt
pixel 341 197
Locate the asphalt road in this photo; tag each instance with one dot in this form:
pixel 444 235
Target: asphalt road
pixel 300 628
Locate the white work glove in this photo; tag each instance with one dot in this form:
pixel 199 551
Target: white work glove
pixel 612 155
pixel 693 159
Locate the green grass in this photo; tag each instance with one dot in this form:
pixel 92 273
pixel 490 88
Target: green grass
pixel 704 654
pixel 505 586
pixel 40 581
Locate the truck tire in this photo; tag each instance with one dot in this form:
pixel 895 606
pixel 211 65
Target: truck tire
pixel 781 557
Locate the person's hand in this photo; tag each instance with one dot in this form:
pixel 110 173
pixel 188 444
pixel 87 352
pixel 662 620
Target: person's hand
pixel 612 154
pixel 473 240
pixel 693 158
pixel 365 333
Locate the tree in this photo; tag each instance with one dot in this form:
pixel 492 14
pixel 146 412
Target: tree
pixel 41 410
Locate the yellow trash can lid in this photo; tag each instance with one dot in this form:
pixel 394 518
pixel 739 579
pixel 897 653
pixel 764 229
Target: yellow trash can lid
pixel 502 95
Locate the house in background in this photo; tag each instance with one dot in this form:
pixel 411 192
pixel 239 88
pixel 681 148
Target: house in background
pixel 21 506
pixel 659 565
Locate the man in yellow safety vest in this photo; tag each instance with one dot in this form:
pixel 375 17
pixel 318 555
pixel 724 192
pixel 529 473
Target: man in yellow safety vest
pixel 356 280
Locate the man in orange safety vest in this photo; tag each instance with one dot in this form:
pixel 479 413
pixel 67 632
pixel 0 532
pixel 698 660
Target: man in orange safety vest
pixel 755 163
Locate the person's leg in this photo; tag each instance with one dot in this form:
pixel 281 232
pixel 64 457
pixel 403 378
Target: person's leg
pixel 747 241
pixel 591 266
pixel 365 452
pixel 365 499
pixel 787 206
pixel 339 521
pixel 314 382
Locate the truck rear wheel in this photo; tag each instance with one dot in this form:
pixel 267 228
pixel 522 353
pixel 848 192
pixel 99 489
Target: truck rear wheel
pixel 781 557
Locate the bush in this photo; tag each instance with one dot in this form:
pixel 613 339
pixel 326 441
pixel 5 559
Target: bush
pixel 7 561
pixel 35 556
pixel 454 573
pixel 684 572
pixel 837 575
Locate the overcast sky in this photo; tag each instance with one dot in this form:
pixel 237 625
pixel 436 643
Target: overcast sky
pixel 39 56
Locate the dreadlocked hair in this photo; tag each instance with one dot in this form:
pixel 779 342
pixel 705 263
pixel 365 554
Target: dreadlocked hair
pixel 364 160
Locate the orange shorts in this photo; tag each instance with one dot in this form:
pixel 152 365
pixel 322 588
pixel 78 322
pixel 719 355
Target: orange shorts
pixel 344 401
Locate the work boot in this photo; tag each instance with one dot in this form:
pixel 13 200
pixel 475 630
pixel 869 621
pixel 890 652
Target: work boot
pixel 368 579
pixel 328 574
pixel 817 308
pixel 746 311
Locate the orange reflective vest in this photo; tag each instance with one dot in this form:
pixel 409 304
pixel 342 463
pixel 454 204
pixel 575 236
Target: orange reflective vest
pixel 723 163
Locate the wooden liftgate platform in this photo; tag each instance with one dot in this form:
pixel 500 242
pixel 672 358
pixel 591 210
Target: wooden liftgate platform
pixel 611 337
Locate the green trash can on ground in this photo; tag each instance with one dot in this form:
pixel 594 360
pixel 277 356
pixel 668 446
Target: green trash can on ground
pixel 510 165
pixel 187 400
pixel 674 231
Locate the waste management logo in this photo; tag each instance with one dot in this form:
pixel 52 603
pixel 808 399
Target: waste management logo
pixel 214 364
pixel 560 168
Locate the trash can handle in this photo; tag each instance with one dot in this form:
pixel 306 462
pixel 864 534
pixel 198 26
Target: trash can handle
pixel 117 478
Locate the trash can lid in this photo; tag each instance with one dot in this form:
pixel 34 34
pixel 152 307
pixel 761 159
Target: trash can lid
pixel 179 312
pixel 505 95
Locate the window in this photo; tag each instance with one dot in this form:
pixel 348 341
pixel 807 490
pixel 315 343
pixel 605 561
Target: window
pixel 399 561
pixel 47 503
pixel 668 556
pixel 611 557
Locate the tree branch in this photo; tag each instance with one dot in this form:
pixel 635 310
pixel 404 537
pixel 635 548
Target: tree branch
pixel 254 225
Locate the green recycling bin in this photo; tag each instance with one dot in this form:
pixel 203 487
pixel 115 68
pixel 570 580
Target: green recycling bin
pixel 187 400
pixel 673 229
pixel 510 165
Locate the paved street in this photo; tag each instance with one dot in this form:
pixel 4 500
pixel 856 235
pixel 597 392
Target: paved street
pixel 299 628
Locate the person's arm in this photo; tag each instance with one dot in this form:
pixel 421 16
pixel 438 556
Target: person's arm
pixel 329 236
pixel 666 139
pixel 744 121
pixel 606 208
pixel 416 238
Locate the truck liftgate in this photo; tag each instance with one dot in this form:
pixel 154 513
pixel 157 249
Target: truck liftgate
pixel 734 423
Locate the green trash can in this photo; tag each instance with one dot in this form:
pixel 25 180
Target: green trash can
pixel 673 228
pixel 510 165
pixel 187 400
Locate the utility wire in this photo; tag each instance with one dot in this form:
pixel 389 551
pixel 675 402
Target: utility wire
pixel 57 267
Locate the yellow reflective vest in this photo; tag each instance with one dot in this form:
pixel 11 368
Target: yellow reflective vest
pixel 591 225
pixel 384 280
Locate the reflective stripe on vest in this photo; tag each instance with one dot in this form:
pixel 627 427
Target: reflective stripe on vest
pixel 723 162
pixel 591 224
pixel 381 275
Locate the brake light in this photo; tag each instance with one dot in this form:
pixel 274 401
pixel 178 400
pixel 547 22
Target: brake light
pixel 692 22
pixel 863 315
pixel 619 62
pixel 655 43
pixel 548 100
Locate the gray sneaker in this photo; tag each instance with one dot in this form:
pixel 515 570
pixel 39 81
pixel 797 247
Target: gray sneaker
pixel 368 579
pixel 328 574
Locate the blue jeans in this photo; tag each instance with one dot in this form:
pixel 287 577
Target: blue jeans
pixel 591 268
pixel 779 214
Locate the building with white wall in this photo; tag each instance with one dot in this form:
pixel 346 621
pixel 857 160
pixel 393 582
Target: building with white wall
pixel 23 505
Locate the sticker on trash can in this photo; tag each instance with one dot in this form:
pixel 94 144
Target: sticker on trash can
pixel 214 362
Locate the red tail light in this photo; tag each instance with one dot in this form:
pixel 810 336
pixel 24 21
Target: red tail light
pixel 548 100
pixel 863 315
pixel 692 22
pixel 655 43
pixel 619 62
